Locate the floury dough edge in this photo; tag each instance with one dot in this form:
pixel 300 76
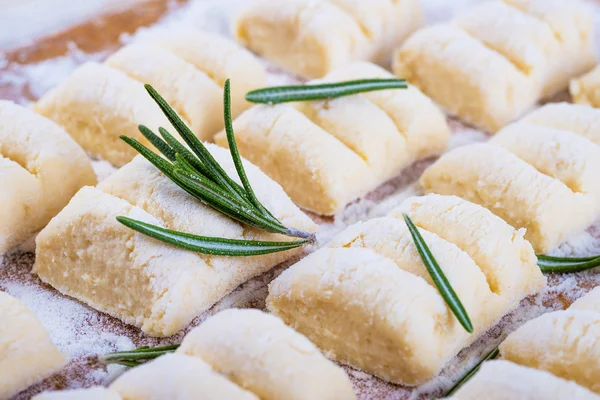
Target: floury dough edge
pixel 84 333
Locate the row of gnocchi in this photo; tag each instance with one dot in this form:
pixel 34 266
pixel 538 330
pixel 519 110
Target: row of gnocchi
pixel 235 354
pixel 366 298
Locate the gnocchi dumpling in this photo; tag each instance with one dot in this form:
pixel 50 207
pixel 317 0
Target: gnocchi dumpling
pixel 27 355
pixel 494 62
pixel 312 38
pixel 504 380
pixel 236 342
pixel 563 343
pixel 87 254
pixel 366 299
pixel 327 153
pixel 177 376
pixel 98 103
pixel 586 89
pixel 237 354
pixel 530 172
pixel 41 168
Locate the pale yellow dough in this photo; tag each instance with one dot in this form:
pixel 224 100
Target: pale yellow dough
pixel 219 58
pixel 366 299
pixel 564 343
pixel 312 38
pixel 260 353
pixel 96 104
pixel 539 173
pixel 586 89
pixel 85 253
pixel 495 61
pixel 503 380
pixel 327 153
pixel 177 376
pixel 41 168
pixel 95 393
pixel 196 97
pixel 27 355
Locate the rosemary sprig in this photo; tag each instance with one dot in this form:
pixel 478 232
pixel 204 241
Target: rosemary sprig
pixel 439 279
pixel 490 356
pixel 198 173
pixel 567 264
pixel 284 94
pixel 135 357
pixel 209 245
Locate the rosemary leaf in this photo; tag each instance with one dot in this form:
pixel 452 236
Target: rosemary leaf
pixel 439 279
pixel 490 356
pixel 567 264
pixel 215 197
pixel 133 358
pixel 213 169
pixel 285 94
pixel 209 245
pixel 157 142
pixel 235 155
pixel 185 153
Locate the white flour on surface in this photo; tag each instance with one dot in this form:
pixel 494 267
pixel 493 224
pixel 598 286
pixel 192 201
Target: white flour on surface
pixel 83 332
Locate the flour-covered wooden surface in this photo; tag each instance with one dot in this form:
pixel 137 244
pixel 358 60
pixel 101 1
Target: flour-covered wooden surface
pixel 83 333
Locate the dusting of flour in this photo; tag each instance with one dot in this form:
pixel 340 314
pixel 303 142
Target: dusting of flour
pixel 84 333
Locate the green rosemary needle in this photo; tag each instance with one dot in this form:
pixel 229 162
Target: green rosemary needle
pixel 285 94
pixel 567 264
pixel 490 356
pixel 135 357
pixel 439 279
pixel 209 245
pixel 198 173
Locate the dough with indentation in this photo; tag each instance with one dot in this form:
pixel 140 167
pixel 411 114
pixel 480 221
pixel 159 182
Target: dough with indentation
pixel 196 97
pixel 216 56
pixel 495 61
pixel 514 190
pixel 312 38
pixel 366 299
pixel 503 380
pixel 96 104
pixel 85 253
pixel 41 168
pixel 258 352
pixel 27 355
pixel 177 376
pixel 327 153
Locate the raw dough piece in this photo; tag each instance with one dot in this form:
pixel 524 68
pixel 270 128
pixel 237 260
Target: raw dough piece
pixel 530 173
pixel 582 120
pixel 96 393
pixel 41 168
pixel 586 88
pixel 176 376
pixel 96 104
pixel 367 300
pixel 312 38
pixel 495 61
pixel 503 380
pixel 564 343
pixel 85 253
pixel 218 57
pixel 27 355
pixel 189 91
pixel 327 153
pixel 258 352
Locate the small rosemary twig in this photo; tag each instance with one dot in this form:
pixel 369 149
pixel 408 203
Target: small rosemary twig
pixel 567 264
pixel 284 94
